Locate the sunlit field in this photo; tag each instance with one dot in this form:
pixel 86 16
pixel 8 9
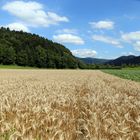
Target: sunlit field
pixel 68 105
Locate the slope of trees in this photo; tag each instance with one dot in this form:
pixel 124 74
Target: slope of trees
pixel 27 49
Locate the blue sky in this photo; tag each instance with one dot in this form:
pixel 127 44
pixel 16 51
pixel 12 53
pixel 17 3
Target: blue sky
pixel 89 28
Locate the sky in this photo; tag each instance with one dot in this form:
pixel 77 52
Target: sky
pixel 89 28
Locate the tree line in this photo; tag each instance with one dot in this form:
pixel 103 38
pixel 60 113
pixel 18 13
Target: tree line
pixel 26 49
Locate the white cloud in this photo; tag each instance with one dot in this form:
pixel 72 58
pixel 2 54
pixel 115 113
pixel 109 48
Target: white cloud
pixel 108 25
pixel 18 27
pixel 33 14
pixel 84 53
pixel 133 38
pixel 67 31
pixel 137 46
pixel 68 38
pixel 56 18
pixel 130 17
pixel 107 40
pixel 127 53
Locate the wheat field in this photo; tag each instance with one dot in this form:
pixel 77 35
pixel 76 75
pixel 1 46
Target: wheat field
pixel 68 105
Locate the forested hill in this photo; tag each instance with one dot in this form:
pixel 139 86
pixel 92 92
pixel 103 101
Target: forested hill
pixel 89 60
pixel 27 49
pixel 125 60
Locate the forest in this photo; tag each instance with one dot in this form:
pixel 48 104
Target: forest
pixel 26 49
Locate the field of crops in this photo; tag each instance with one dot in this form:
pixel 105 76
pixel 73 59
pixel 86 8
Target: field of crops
pixel 132 74
pixel 68 105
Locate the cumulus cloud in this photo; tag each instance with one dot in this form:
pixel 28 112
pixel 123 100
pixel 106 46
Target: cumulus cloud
pixel 133 38
pixel 84 53
pixel 108 25
pixel 68 38
pixel 108 40
pixel 137 45
pixel 67 31
pixel 33 14
pixel 18 27
pixel 128 53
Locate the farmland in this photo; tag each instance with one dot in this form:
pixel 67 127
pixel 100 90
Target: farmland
pixel 131 74
pixel 15 67
pixel 68 105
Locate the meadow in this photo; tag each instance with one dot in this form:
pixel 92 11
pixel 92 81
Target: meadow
pixel 15 67
pixel 68 105
pixel 128 73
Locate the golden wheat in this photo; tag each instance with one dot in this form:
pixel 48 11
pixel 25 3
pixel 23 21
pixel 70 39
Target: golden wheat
pixel 68 105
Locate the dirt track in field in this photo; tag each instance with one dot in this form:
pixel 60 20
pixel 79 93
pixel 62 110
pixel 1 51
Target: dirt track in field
pixel 68 105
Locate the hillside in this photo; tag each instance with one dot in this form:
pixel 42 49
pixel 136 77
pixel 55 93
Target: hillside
pixel 125 60
pixel 89 60
pixel 25 49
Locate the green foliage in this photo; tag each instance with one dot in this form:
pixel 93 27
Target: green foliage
pixel 102 66
pixel 41 57
pixel 7 54
pixel 25 49
pixel 132 74
pixel 132 68
pixel 22 58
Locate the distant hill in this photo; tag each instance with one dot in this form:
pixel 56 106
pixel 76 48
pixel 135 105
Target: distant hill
pixel 128 60
pixel 90 60
pixel 26 49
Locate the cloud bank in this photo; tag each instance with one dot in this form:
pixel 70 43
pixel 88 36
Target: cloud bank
pixel 108 25
pixel 33 14
pixel 108 40
pixel 84 53
pixel 133 38
pixel 18 27
pixel 68 38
